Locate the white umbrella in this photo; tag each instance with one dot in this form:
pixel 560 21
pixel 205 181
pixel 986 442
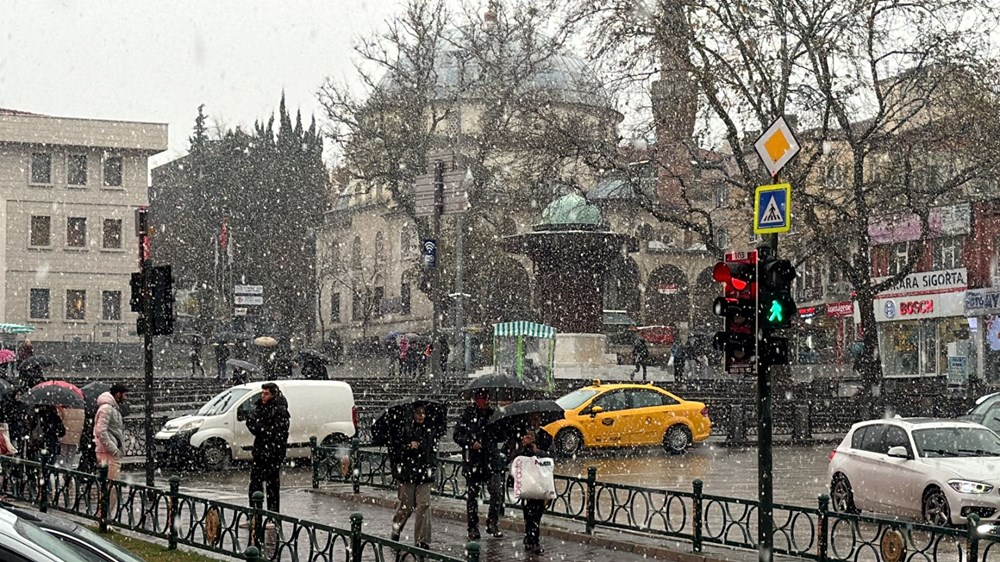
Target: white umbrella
pixel 265 341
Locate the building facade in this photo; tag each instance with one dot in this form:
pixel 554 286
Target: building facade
pixel 70 188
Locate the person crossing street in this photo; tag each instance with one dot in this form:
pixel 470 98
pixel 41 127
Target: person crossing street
pixel 268 422
pixel 479 462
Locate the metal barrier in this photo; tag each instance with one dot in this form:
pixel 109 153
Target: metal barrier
pixel 249 533
pixel 814 533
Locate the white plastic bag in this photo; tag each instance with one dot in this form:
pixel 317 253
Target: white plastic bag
pixel 533 479
pixel 670 362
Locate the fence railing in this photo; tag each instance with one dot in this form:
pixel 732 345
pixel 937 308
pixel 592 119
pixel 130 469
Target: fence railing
pixel 814 533
pixel 249 533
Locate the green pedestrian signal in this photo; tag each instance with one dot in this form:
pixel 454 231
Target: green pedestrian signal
pixel 777 313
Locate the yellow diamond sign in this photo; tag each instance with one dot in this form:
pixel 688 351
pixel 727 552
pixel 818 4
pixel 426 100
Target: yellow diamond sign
pixel 777 146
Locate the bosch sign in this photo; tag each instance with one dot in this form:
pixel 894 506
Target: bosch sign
pixel 916 307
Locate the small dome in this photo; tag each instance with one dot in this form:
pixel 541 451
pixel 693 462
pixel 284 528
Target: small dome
pixel 571 209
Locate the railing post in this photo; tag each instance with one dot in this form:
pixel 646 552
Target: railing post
pixel 256 519
pixel 822 540
pixel 43 490
pixel 252 554
pixel 355 466
pixel 697 515
pixel 973 532
pixel 472 551
pixel 314 455
pixel 172 501
pixel 591 499
pixel 356 519
pixel 104 498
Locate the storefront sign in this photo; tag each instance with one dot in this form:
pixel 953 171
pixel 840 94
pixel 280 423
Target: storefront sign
pixel 917 307
pixel 958 370
pixel 926 282
pixel 668 289
pixel 840 309
pixel 807 312
pixel 982 302
pixel 942 221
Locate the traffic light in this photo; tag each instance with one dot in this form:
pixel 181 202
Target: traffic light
pixel 737 307
pixel 777 307
pixel 135 299
pixel 162 296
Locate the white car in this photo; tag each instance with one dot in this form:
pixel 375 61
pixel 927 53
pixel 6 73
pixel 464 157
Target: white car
pixel 22 541
pixel 940 471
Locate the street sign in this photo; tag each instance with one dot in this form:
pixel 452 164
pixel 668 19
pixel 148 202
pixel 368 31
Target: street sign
pixel 430 253
pixel 455 198
pixel 248 289
pixel 777 146
pixel 772 209
pixel 250 300
pixel 240 311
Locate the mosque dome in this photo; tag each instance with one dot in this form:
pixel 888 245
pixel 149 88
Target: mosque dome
pixel 571 210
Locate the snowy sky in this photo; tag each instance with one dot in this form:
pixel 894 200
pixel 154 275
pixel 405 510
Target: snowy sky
pixel 157 61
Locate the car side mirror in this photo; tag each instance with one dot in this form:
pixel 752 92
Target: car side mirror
pixel 596 410
pixel 898 452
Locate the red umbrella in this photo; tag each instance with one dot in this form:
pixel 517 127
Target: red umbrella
pixel 7 356
pixel 63 384
pixel 55 393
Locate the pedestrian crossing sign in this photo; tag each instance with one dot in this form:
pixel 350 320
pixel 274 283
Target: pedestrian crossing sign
pixel 772 209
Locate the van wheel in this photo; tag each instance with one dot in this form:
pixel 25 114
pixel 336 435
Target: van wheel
pixel 215 454
pixel 333 440
pixel 677 439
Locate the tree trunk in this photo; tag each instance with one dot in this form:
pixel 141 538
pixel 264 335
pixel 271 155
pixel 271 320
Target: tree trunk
pixel 869 364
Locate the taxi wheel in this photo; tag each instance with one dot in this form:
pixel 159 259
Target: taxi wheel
pixel 569 442
pixel 215 454
pixel 677 439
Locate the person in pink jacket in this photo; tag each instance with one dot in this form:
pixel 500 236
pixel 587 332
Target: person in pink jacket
pixel 109 429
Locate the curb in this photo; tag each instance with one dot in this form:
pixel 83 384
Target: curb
pixel 566 535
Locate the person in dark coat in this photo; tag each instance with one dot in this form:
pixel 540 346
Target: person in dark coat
pixel 533 441
pixel 479 451
pixel 46 431
pixel 679 352
pixel 31 376
pixel 19 418
pixel 640 354
pixel 268 423
pixel 445 352
pixel 414 462
pixel 24 351
pixel 221 356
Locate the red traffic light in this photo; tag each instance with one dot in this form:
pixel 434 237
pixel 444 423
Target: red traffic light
pixel 722 273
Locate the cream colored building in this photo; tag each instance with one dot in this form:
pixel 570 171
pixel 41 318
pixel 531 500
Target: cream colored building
pixel 69 189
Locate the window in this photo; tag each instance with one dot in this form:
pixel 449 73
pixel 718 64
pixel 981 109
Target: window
pixel 376 305
pixel 111 305
pixel 899 254
pixel 356 253
pixel 113 171
pixel 76 304
pixel 874 441
pixel 646 398
pixel 381 256
pixel 612 401
pixel 948 253
pixel 112 234
pixel 41 231
pixel 722 237
pixel 39 305
pixel 41 168
pixel 335 308
pixel 76 232
pixel 859 437
pixel 404 298
pixel 356 308
pixel 896 437
pixel 76 169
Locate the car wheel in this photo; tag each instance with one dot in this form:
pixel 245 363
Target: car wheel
pixel 935 508
pixel 215 454
pixel 842 496
pixel 677 439
pixel 569 442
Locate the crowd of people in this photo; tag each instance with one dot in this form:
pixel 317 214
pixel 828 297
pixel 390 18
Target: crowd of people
pixel 412 353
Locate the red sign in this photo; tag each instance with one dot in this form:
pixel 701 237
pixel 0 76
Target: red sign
pixel 807 312
pixel 916 307
pixel 840 309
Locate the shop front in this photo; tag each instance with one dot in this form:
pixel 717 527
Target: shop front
pixel 923 331
pixel 982 306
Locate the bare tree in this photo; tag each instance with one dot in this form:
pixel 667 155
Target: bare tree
pixel 892 89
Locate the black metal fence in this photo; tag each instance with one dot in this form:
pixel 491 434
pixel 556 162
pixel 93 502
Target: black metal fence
pixel 249 533
pixel 814 533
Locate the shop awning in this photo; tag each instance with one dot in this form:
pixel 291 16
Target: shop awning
pixel 524 328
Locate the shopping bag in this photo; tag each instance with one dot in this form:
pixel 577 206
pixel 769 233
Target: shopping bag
pixel 533 479
pixel 6 445
pixel 670 362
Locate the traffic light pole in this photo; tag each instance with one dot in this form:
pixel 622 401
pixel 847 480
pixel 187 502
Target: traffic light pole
pixel 436 289
pixel 145 268
pixel 765 468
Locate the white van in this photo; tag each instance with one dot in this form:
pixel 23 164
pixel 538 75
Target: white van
pixel 218 432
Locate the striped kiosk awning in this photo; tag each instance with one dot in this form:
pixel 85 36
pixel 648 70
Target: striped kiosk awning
pixel 15 329
pixel 524 328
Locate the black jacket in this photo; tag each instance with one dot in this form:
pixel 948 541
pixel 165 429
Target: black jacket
pixel 269 425
pixel 471 427
pixel 540 448
pixel 414 466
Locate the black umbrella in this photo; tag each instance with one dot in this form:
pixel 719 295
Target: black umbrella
pixel 245 365
pixel 500 386
pixel 5 386
pixel 39 361
pixel 508 421
pixel 54 393
pixel 315 355
pixel 92 390
pixel 401 412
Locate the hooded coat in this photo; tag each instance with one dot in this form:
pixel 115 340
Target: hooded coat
pixel 471 428
pixel 269 425
pixel 109 427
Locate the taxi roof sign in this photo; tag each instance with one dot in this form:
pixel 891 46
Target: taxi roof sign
pixel 777 146
pixel 772 209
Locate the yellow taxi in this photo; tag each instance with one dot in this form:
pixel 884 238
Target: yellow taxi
pixel 627 415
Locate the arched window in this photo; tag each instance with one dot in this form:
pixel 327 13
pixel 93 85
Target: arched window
pixel 408 243
pixel 381 254
pixel 334 264
pixel 356 253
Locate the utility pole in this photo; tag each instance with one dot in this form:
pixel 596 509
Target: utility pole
pixel 436 289
pixel 145 266
pixel 765 467
pixel 460 290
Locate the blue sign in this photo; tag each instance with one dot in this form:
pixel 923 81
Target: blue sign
pixel 430 253
pixel 772 209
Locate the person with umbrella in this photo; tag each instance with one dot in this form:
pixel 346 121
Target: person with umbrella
pixel 17 416
pixel 109 429
pixel 479 461
pixel 46 430
pixel 532 441
pixel 268 422
pixel 414 461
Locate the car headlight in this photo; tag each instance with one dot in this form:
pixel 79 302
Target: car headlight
pixel 970 487
pixel 191 425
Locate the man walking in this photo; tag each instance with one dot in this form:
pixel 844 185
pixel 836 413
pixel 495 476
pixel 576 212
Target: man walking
pixel 221 356
pixel 640 354
pixel 268 423
pixel 109 429
pixel 196 363
pixel 478 462
pixel 414 452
